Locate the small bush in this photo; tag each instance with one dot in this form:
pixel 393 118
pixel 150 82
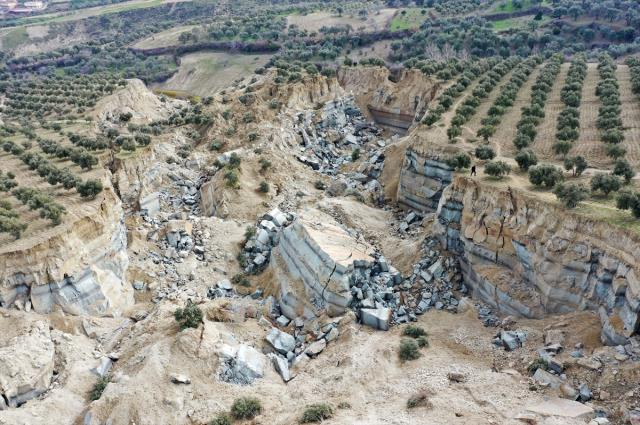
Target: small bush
pixel 538 363
pixel 409 350
pixel 319 184
pixel 240 279
pixel 422 341
pixel 355 155
pixel 571 194
pixel 316 413
pixel 99 387
pixel 234 161
pixel 606 183
pixel 246 408
pixel 221 419
pixel 264 187
pixel 414 331
pixel 459 161
pixel 525 159
pixel 545 175
pixel 420 399
pixel 232 178
pixel 485 152
pixel 188 317
pixel 497 169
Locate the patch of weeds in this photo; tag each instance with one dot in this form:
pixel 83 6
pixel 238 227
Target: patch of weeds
pixel 316 413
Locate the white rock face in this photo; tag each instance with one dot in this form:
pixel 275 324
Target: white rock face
pixel 26 365
pixel 322 257
pixel 79 268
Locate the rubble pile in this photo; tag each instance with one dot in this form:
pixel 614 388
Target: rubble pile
pixel 339 137
pixel 295 342
pixel 328 142
pixel 257 248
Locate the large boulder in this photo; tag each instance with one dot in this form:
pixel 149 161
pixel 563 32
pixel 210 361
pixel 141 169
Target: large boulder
pixel 26 365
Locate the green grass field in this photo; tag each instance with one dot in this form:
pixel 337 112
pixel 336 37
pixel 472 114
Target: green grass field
pixel 408 18
pixel 14 38
pixel 515 23
pixel 515 5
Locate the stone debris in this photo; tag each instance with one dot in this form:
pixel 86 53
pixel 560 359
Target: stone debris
pixel 257 249
pixel 177 378
pixel 562 408
pixel 241 365
pixel 281 341
pixel 26 365
pixel 338 136
pixel 510 340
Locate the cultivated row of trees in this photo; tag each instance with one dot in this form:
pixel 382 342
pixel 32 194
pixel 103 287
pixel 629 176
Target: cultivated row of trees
pixel 609 121
pixel 446 99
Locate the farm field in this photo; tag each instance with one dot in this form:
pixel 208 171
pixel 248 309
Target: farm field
pixel 408 19
pixel 90 11
pixel 165 38
pixel 374 21
pixel 204 73
pixel 546 136
pixel 589 144
pixel 630 115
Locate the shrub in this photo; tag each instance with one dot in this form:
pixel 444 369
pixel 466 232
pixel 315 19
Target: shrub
pixel 240 279
pixel 545 175
pixel 316 413
pixel 485 152
pixel 629 201
pixel 232 178
pixel 606 183
pixel 422 341
pixel 497 169
pixel 571 194
pixel 319 184
pixel 216 145
pixel 538 363
pixel 562 147
pixel 99 387
pixel 234 161
pixel 575 164
pixel 188 317
pixel 525 159
pixel 414 331
pixel 265 164
pixel 616 151
pixel 420 399
pixel 221 419
pixel 89 188
pixel 264 187
pixel 355 155
pixel 409 350
pixel 459 161
pixel 623 169
pixel 246 408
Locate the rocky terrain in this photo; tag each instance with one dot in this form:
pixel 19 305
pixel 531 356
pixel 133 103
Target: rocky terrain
pixel 307 289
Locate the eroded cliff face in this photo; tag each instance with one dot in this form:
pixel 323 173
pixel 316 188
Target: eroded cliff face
pixel 528 258
pixel 395 100
pixel 422 181
pixel 79 269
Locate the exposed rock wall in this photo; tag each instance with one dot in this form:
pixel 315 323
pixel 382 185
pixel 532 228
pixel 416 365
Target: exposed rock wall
pixel 319 260
pixel 422 181
pixel 530 258
pixel 79 269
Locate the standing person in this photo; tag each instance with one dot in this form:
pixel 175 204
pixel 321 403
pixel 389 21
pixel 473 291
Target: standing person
pixel 473 170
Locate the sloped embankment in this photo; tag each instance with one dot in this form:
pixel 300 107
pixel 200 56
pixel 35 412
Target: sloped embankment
pixel 79 269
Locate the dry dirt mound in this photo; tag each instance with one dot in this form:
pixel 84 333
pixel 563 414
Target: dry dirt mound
pixel 136 99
